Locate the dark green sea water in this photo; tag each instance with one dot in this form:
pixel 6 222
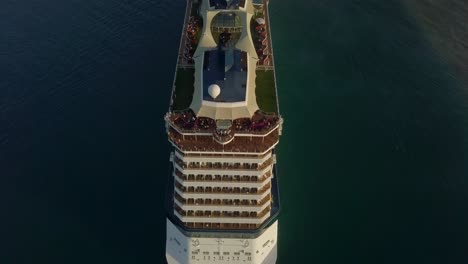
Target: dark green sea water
pixel 373 162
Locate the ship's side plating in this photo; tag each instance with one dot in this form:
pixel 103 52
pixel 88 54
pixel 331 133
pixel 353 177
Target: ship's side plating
pixel 221 248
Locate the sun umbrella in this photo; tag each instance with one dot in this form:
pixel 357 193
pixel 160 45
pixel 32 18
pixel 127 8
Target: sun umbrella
pixel 260 21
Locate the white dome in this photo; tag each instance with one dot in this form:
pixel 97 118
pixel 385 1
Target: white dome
pixel 214 90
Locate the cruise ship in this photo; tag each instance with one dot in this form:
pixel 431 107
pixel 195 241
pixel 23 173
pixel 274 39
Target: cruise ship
pixel 224 124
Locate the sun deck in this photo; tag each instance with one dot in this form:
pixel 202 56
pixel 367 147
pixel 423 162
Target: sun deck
pixel 265 84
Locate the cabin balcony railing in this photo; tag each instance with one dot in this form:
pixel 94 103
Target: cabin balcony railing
pixel 222 214
pixel 219 166
pixel 224 178
pixel 210 155
pixel 222 202
pixel 220 226
pixel 212 128
pixel 224 190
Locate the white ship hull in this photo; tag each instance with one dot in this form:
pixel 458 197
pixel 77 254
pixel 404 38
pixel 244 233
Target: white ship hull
pixel 181 249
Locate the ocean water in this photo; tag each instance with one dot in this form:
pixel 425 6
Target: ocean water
pixel 373 162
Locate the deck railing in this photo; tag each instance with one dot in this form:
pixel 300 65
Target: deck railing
pixel 223 190
pixel 223 202
pixel 224 165
pixel 221 226
pixel 203 155
pixel 221 178
pixel 222 214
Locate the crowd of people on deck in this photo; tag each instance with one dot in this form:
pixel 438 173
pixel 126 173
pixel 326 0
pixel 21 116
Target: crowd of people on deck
pixel 242 124
pixel 188 120
pixel 191 42
pixel 263 123
pixel 194 26
pixel 261 44
pixel 206 143
pixel 225 38
pixel 259 122
pixel 185 120
pixel 205 123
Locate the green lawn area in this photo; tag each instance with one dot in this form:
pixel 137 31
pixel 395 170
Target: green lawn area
pixel 258 14
pixel 194 9
pixel 183 89
pixel 266 91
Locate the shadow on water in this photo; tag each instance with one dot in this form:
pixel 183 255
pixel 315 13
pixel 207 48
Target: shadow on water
pixel 375 164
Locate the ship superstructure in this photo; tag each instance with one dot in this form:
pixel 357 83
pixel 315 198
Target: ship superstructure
pixel 224 124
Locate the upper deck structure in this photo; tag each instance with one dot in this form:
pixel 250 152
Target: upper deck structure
pixel 224 124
